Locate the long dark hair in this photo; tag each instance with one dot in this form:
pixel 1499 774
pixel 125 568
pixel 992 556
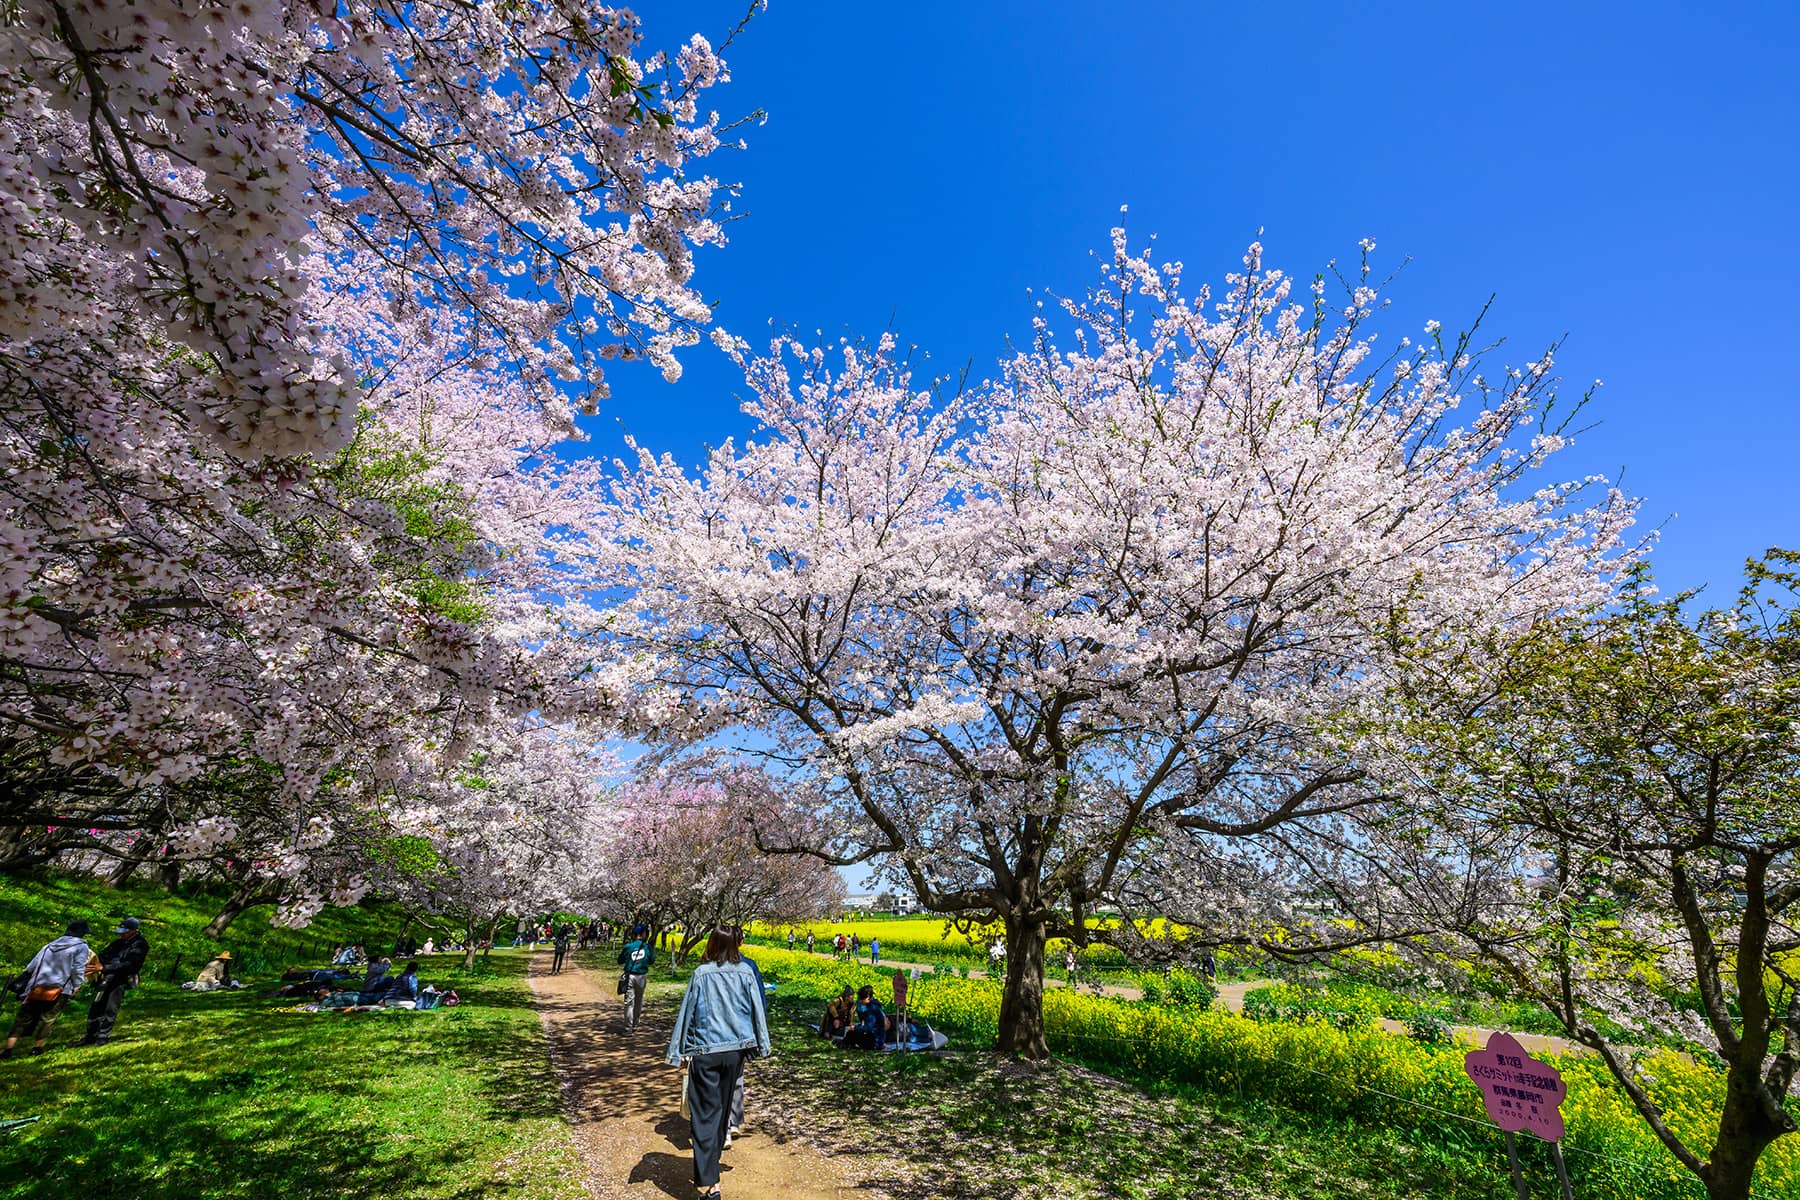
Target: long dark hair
pixel 721 947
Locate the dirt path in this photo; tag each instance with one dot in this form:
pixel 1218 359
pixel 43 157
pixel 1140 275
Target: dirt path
pixel 624 1103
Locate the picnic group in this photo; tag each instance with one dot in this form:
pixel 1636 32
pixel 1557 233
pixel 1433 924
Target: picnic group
pixel 69 966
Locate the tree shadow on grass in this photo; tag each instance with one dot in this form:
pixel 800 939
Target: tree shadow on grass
pixel 980 1125
pixel 228 1096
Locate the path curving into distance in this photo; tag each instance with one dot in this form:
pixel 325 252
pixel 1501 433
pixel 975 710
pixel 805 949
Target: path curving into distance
pixel 623 1102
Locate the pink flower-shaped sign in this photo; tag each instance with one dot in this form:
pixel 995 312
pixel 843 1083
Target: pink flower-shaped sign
pixel 1521 1092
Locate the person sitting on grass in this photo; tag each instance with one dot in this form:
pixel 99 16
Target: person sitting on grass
pixel 214 975
pixel 377 974
pixel 404 986
pixel 870 1019
pixel 839 1014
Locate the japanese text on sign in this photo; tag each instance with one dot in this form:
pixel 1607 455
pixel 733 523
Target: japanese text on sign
pixel 1520 1092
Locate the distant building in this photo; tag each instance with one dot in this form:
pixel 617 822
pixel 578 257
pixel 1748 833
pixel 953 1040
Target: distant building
pixel 874 902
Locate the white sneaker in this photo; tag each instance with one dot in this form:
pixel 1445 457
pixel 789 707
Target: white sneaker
pixel 728 1139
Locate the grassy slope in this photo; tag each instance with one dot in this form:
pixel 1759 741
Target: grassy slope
pixel 226 1095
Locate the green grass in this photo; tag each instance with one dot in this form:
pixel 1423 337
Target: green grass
pixel 222 1095
pixel 34 908
pixel 968 1123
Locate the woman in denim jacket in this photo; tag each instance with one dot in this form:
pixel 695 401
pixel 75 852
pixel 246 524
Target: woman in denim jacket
pixel 721 1021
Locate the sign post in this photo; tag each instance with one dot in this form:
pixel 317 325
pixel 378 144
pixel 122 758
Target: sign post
pixel 1521 1093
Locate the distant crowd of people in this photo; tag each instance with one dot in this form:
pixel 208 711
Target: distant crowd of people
pixel 844 946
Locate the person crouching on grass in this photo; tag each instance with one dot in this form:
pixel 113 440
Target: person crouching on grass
pixel 721 1021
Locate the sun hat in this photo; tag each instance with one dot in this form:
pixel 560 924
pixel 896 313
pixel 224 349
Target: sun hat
pixel 225 954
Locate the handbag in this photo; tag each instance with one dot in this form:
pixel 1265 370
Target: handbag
pixel 43 994
pixel 624 976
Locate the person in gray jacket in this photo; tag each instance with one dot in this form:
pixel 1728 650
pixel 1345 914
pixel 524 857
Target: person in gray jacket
pixel 60 967
pixel 720 1022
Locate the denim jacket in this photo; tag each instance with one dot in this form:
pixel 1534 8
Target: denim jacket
pixel 722 1009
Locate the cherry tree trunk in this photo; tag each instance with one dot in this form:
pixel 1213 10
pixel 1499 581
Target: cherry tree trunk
pixel 249 894
pixel 1750 1121
pixel 1022 1003
pixel 468 943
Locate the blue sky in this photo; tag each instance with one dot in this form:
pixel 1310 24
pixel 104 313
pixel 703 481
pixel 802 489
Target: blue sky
pixel 1622 174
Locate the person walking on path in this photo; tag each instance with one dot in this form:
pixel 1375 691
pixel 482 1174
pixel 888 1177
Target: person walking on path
pixel 809 941
pixel 52 977
pixel 120 963
pixel 735 1125
pixel 875 952
pixel 720 1022
pixel 855 947
pixel 562 949
pixel 790 941
pixel 637 955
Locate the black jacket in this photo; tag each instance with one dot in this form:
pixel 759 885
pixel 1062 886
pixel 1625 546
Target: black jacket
pixel 121 961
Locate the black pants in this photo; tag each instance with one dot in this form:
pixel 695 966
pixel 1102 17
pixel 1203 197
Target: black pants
pixel 556 963
pixel 711 1080
pixel 104 1011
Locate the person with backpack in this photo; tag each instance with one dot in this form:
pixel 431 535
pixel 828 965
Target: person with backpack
pixel 120 963
pixel 720 1023
pixel 636 956
pixel 51 979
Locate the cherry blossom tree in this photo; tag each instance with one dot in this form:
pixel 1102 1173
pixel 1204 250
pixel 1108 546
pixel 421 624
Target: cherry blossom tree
pixel 522 829
pixel 1615 832
pixel 684 852
pixel 520 166
pixel 272 644
pixel 286 295
pixel 1026 645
